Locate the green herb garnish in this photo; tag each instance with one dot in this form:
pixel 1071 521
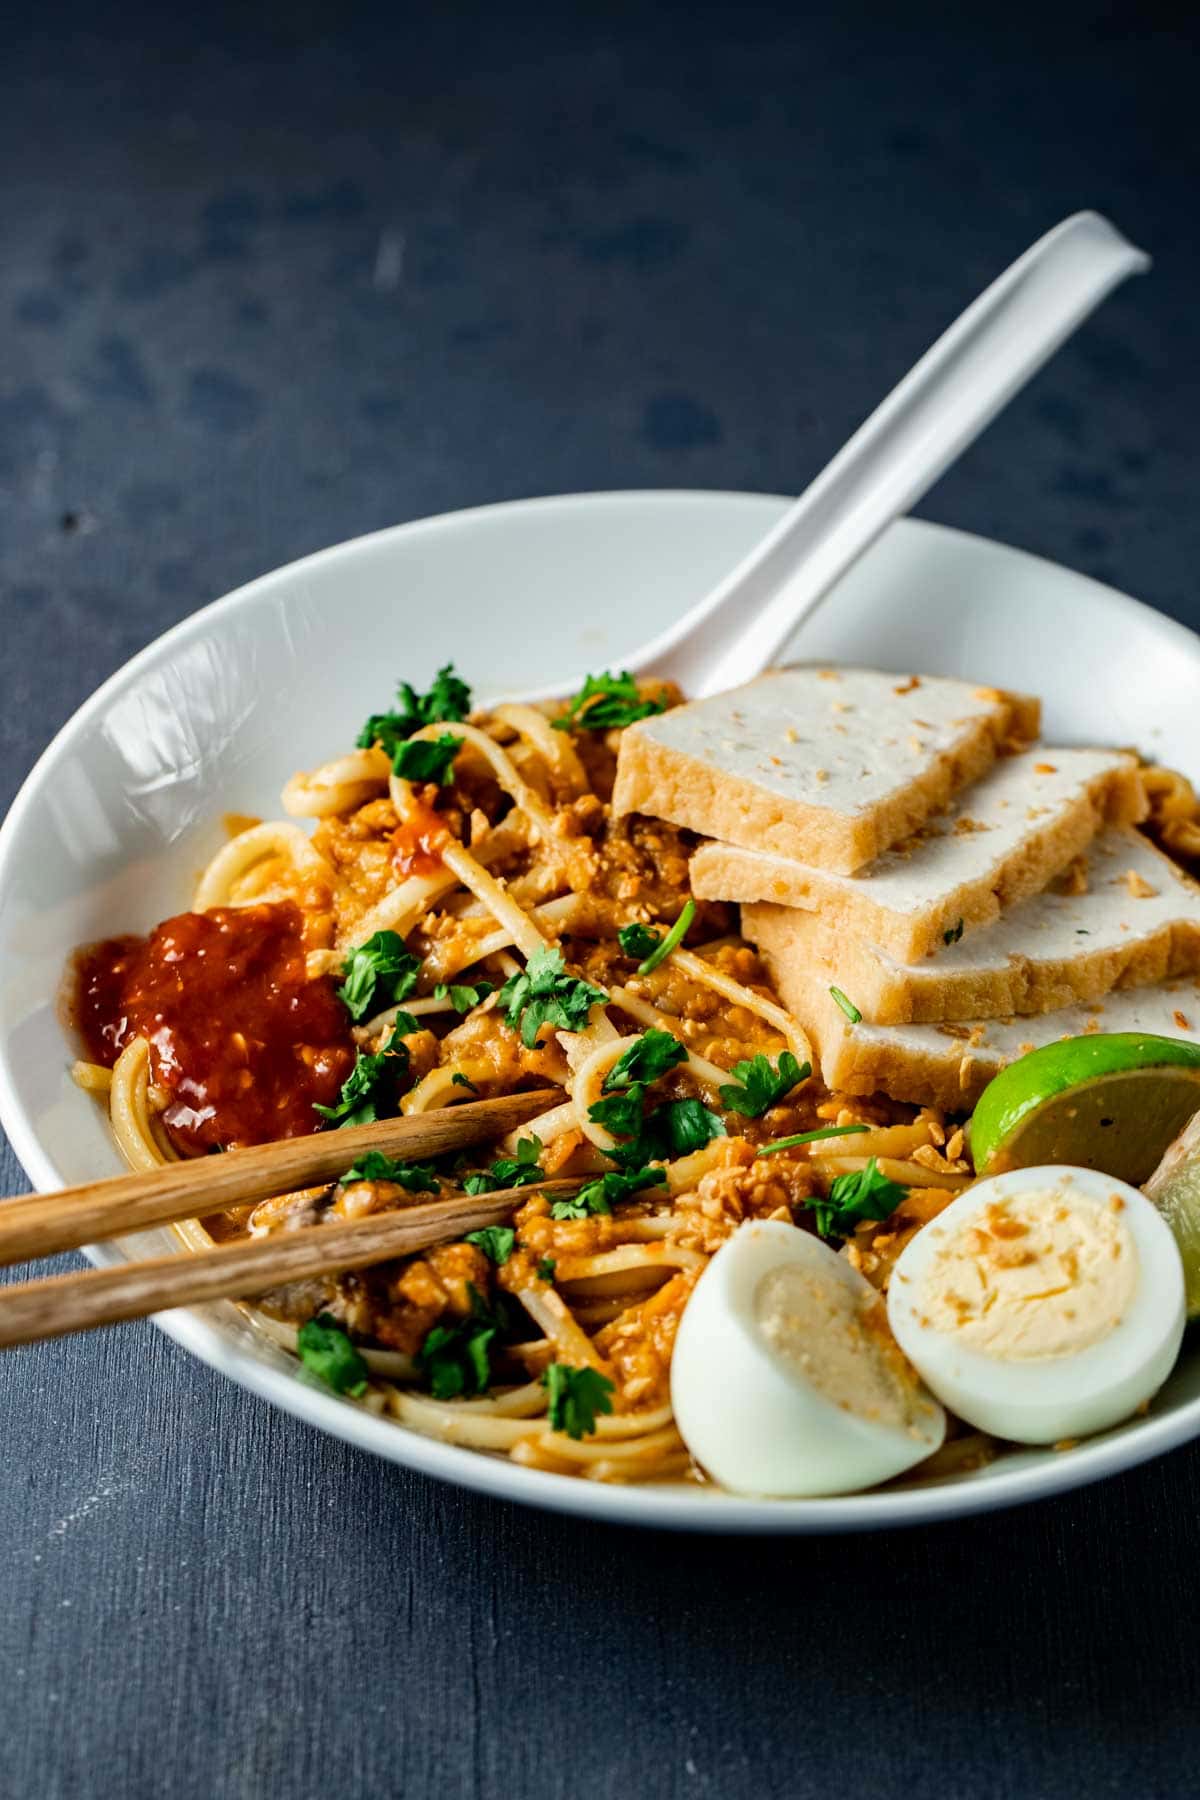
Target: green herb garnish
pixel 810 1137
pixel 456 1359
pixel 359 1099
pixel 462 995
pixel 427 759
pixel 955 932
pixel 672 941
pixel 638 940
pixel 381 967
pixel 544 994
pixel 418 1178
pixel 645 1060
pixel 330 1357
pixel 496 1241
pixel 521 1170
pixel 449 699
pixel 863 1194
pixel 675 1128
pixel 576 1396
pixel 848 1007
pixel 607 701
pixel 458 1079
pixel 601 1195
pixel 762 1086
pixel 546 1268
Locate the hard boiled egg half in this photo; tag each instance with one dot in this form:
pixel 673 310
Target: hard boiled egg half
pixel 1042 1304
pixel 785 1378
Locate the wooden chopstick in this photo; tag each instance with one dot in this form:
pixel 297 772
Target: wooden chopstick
pixel 44 1224
pixel 60 1304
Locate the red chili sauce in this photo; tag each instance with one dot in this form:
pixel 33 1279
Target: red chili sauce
pixel 243 1040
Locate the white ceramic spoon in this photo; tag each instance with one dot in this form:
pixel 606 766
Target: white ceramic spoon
pixel 941 406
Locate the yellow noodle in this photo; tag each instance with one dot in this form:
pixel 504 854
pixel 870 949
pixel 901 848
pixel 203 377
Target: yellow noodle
pixel 340 786
pixel 242 853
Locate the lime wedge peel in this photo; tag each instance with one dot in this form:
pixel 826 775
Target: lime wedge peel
pixel 1174 1188
pixel 1110 1102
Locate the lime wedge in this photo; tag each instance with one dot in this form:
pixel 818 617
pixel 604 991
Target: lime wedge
pixel 1174 1188
pixel 1112 1103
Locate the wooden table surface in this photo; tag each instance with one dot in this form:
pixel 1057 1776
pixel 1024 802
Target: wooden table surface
pixel 273 278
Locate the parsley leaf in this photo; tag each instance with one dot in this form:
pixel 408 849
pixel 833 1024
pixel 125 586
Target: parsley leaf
pixel 427 759
pixel 496 1241
pixel 600 1196
pixel 608 700
pixel 576 1396
pixel 848 1007
pixel 462 995
pixel 418 1178
pixel 381 966
pixel 955 932
pixel 361 1092
pixel 620 1113
pixel 546 1268
pixel 458 1079
pixel 862 1194
pixel 637 940
pixel 328 1354
pixel 645 1060
pixel 448 699
pixel 516 1171
pixel 761 1086
pixel 455 1359
pixel 544 994
pixel 675 1128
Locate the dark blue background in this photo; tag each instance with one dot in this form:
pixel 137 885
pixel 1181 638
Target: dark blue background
pixel 269 279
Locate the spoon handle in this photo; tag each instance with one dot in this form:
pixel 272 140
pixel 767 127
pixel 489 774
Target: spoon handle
pixel 942 404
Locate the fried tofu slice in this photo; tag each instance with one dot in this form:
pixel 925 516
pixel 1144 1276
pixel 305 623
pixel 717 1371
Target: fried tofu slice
pixel 998 844
pixel 829 766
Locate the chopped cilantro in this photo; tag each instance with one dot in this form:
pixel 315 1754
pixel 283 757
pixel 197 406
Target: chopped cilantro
pixel 520 1170
pixel 455 1359
pixel 848 1007
pixel 650 1056
pixel 600 1196
pixel 358 1102
pixel 427 759
pixel 449 699
pixel 672 941
pixel 637 940
pixel 496 1241
pixel 544 994
pixel 761 1086
pixel 329 1356
pixel 576 1396
pixel 546 1268
pixel 462 995
pixel 418 1178
pixel 607 701
pixel 620 1113
pixel 458 1079
pixel 955 932
pixel 675 1128
pixel 810 1137
pixel 381 967
pixel 863 1194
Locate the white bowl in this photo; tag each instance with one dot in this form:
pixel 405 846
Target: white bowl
pixel 122 810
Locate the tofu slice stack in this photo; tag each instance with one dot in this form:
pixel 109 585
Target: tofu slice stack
pixel 829 766
pixel 886 837
pixel 1000 842
pixel 1124 916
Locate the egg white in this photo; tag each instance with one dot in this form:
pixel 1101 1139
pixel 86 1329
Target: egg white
pixel 751 1418
pixel 1045 1399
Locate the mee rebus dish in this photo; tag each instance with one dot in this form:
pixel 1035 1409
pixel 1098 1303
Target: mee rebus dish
pixel 469 901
